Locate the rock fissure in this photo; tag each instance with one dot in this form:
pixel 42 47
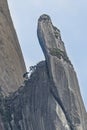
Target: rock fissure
pixel 59 102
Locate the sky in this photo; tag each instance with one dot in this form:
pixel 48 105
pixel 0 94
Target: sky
pixel 70 16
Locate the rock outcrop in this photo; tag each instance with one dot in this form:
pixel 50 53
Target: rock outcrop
pixel 50 99
pixel 62 73
pixel 12 66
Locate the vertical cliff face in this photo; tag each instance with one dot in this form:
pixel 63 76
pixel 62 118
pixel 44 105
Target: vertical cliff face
pixel 62 73
pixel 12 66
pixel 50 99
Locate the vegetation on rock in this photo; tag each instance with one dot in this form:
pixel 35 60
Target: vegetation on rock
pixel 59 53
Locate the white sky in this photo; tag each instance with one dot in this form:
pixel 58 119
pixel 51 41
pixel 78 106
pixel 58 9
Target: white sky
pixel 70 16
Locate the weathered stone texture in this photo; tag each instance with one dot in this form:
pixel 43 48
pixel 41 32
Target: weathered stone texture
pixel 62 73
pixel 50 99
pixel 12 64
pixel 34 106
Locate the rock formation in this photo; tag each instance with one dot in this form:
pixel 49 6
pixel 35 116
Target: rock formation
pixel 50 99
pixel 12 64
pixel 61 71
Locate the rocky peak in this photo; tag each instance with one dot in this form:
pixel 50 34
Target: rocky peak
pixel 50 98
pixel 50 32
pixel 45 18
pixel 61 72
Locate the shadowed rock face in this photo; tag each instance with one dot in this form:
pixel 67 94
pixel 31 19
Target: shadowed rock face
pixel 12 65
pixel 34 106
pixel 50 98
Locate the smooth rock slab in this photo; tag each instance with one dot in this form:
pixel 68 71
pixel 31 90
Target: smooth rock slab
pixel 12 66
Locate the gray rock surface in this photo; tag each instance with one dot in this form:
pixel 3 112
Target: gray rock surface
pixel 34 106
pixel 12 66
pixel 50 99
pixel 62 73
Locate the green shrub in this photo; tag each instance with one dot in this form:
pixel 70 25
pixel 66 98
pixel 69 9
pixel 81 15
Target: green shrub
pixel 59 53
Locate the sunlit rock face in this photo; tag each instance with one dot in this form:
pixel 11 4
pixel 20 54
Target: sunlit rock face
pixel 12 66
